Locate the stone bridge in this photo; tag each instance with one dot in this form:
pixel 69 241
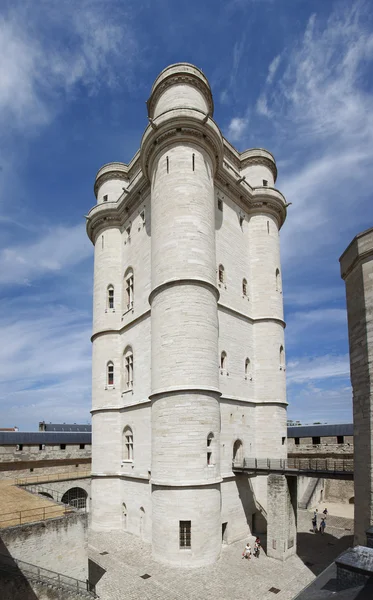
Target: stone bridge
pixel 75 492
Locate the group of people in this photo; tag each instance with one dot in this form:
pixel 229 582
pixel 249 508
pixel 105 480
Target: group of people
pixel 247 550
pixel 322 526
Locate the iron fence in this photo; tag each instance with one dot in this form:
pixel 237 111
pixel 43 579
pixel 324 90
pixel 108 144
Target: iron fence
pixel 333 465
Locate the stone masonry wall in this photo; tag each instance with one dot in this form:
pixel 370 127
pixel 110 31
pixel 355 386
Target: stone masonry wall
pixel 56 544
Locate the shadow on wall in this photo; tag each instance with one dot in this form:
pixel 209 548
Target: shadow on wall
pixel 255 515
pixel 318 550
pixel 13 583
pixel 95 572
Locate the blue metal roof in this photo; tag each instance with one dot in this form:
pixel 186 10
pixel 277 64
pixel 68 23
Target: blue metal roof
pixel 66 427
pixel 320 430
pixel 12 438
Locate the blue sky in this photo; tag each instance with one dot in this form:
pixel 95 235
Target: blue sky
pixel 292 76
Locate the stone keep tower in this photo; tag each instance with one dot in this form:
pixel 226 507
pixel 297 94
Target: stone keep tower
pixel 357 271
pixel 188 333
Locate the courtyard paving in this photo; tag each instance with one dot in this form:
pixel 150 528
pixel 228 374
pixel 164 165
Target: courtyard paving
pixel 231 578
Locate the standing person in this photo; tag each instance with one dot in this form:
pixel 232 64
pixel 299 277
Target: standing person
pixel 322 525
pixel 247 551
pixel 314 523
pixel 325 511
pixel 257 547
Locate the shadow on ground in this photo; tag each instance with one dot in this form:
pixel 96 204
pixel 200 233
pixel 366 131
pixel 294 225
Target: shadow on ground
pixel 13 583
pixel 318 550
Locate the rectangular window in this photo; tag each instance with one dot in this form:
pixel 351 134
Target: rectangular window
pixel 283 441
pixel 19 447
pixel 41 447
pixel 142 216
pixel 220 204
pixel 265 182
pixel 209 458
pixel 105 198
pixel 315 440
pixel 340 439
pixel 62 446
pixel 185 532
pixel 81 446
pixel 296 441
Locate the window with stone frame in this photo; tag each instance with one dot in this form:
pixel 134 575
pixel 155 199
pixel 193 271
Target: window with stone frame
pixel 128 444
pixel 128 368
pixel 110 373
pixel 110 297
pixel 185 535
pixel 129 289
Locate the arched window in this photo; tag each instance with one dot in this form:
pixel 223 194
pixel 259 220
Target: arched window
pixel 244 287
pixel 278 281
pixel 128 368
pixel 223 361
pixel 248 373
pixel 110 296
pixel 127 444
pixel 128 289
pixel 110 373
pixel 221 274
pixel 210 449
pixel 282 358
pixel 237 451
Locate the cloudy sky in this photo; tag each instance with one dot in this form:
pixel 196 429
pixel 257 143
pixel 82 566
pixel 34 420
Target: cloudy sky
pixel 288 75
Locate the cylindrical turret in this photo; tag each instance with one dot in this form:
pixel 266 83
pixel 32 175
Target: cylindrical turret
pixel 258 167
pixel 185 396
pixel 110 181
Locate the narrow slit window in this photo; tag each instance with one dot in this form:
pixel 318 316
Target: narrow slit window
pixel 221 274
pixel 185 534
pixel 244 287
pixel 223 361
pixel 105 198
pixel 210 449
pixel 265 182
pixel 167 164
pixel 220 204
pixel 193 161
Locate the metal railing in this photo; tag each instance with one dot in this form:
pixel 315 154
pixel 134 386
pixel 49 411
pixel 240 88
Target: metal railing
pixel 14 565
pixel 21 517
pixel 52 477
pixel 332 465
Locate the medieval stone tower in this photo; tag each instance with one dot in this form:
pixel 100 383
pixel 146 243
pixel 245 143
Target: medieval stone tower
pixel 188 331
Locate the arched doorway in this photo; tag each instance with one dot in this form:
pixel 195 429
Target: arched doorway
pixel 142 522
pixel 237 452
pixel 76 497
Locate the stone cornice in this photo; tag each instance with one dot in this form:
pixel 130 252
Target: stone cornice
pixel 184 281
pixel 185 125
pixel 131 323
pixel 181 125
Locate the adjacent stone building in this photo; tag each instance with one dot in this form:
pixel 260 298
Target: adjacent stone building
pixel 188 334
pixel 357 272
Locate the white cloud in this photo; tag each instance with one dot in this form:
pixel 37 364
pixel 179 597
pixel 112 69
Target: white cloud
pixel 262 106
pixel 54 252
pixel 45 362
pixel 237 128
pixel 272 69
pixel 317 368
pixel 47 49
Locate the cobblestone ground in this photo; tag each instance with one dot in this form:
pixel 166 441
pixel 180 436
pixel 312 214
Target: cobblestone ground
pixel 231 578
